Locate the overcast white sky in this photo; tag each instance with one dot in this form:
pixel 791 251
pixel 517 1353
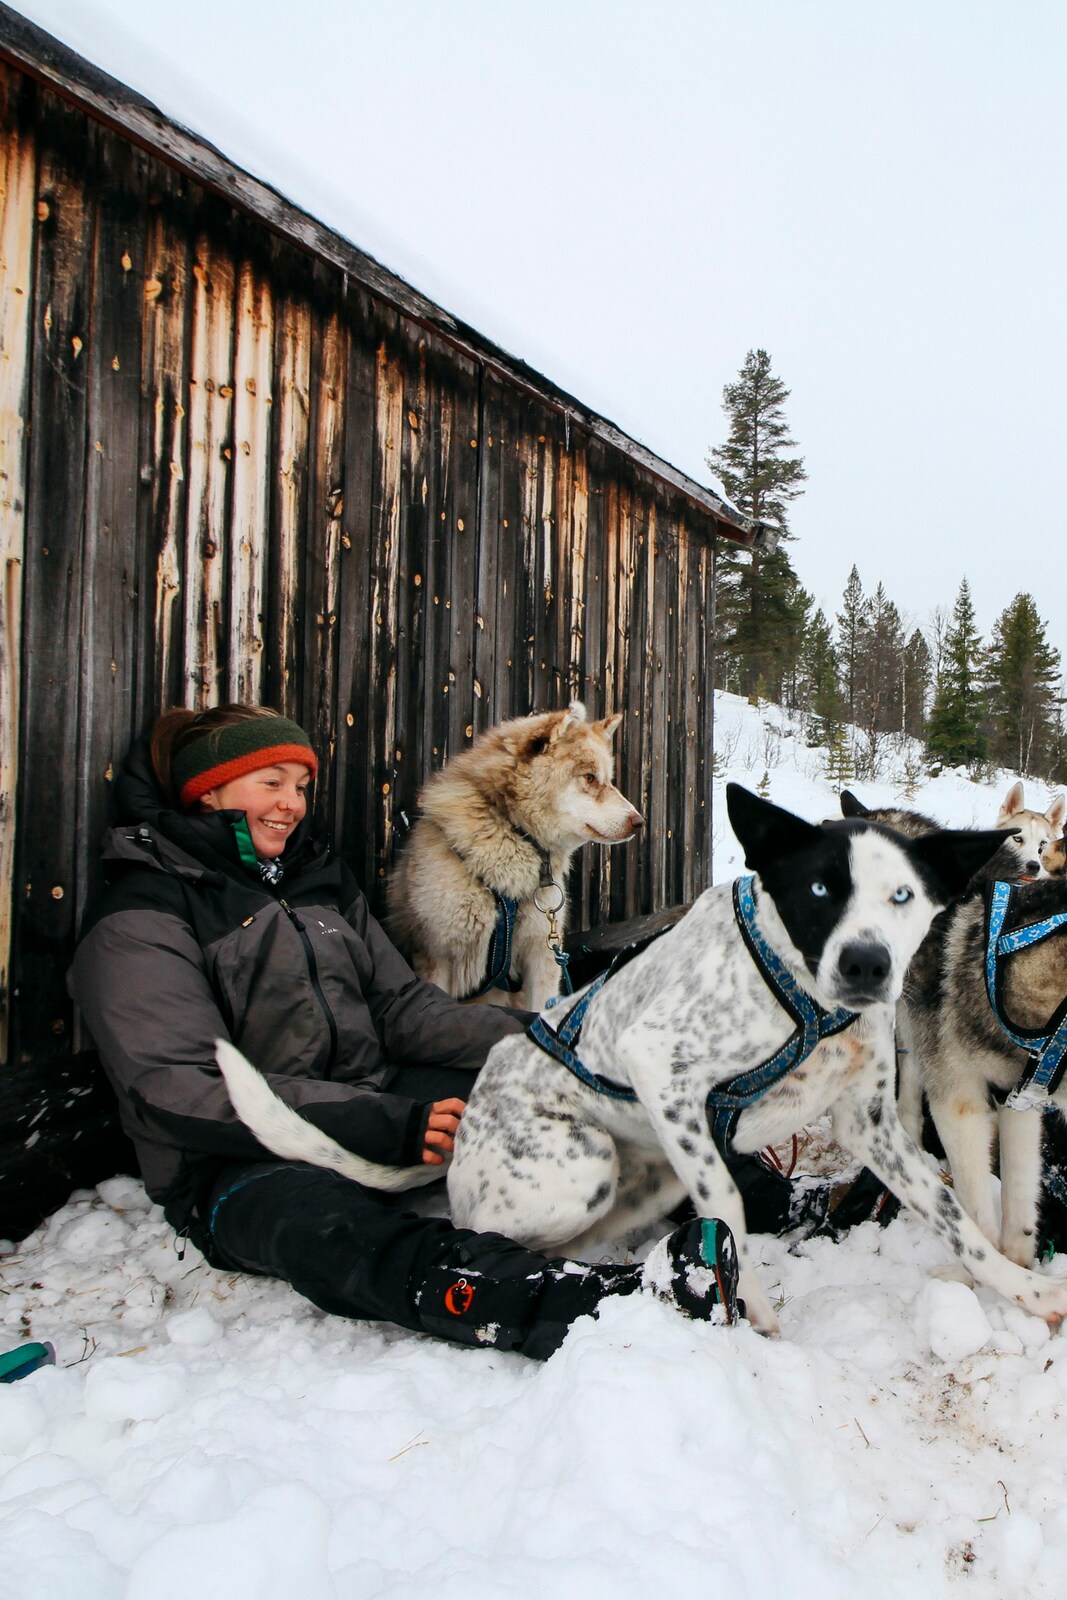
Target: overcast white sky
pixel 632 195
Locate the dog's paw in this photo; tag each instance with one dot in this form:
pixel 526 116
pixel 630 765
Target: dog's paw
pixel 758 1309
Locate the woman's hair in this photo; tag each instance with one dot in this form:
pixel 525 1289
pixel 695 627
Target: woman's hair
pixel 178 728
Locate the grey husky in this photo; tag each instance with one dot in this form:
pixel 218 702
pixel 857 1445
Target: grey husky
pixel 952 1045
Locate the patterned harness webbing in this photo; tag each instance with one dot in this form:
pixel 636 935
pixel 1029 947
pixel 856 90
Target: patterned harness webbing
pixel 813 1024
pixel 561 1043
pixel 1047 1046
pixel 498 961
pixel 724 1105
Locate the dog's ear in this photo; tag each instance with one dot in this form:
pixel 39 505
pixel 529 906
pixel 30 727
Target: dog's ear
pixel 531 736
pixel 765 831
pixel 954 856
pixel 1013 802
pixel 1057 811
pixel 851 807
pixel 607 725
pixel 563 720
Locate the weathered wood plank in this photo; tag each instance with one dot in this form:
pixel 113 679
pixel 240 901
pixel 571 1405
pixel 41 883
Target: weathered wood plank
pixel 417 533
pixel 48 849
pixel 390 424
pixel 18 206
pixel 113 559
pixel 288 466
pixel 320 602
pixel 591 904
pixel 210 444
pixel 357 710
pixel 460 504
pixel 253 398
pixel 489 641
pixel 165 383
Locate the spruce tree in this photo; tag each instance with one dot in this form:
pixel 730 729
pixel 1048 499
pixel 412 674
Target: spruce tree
pixel 819 685
pixel 954 736
pixel 916 674
pixel 761 606
pixel 1023 674
pixel 849 628
pixel 880 640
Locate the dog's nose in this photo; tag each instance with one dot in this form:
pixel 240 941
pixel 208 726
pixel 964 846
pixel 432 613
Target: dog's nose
pixel 864 969
pixel 636 821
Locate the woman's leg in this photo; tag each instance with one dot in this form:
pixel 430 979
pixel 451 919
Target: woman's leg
pixel 355 1254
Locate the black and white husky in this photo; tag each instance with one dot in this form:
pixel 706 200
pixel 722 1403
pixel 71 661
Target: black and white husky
pixel 703 1037
pixel 680 1048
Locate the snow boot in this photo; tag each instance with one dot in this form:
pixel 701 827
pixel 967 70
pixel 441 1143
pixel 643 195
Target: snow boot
pixel 695 1269
pixel 531 1310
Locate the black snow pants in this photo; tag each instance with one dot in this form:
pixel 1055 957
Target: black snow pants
pixel 356 1252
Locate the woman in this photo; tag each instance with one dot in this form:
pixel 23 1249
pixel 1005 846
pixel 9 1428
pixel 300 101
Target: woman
pixel 222 918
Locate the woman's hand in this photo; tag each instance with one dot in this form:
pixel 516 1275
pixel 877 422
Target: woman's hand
pixel 441 1131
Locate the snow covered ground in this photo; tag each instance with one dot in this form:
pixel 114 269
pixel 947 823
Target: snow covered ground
pixel 215 1437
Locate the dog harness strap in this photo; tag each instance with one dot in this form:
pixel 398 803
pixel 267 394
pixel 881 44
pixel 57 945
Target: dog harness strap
pixel 542 1034
pixel 498 963
pixel 725 1105
pixel 560 1044
pixel 1047 1047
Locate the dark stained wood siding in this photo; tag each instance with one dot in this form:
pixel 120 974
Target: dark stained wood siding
pixel 235 468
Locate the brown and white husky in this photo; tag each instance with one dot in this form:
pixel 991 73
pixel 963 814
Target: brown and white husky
pixel 501 822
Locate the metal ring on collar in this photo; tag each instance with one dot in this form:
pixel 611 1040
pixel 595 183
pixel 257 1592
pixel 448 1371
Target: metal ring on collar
pixel 549 910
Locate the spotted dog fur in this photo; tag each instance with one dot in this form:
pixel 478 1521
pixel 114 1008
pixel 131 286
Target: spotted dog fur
pixel 953 1047
pixel 553 1163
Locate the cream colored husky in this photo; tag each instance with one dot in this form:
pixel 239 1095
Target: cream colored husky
pixel 480 887
pixel 1037 830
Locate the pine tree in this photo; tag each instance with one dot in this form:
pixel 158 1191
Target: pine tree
pixel 849 628
pixel 877 697
pixel 1023 673
pixel 916 675
pixel 761 606
pixel 819 685
pixel 840 767
pixel 954 736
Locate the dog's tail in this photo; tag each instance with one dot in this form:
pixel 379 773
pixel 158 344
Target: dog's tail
pixel 280 1129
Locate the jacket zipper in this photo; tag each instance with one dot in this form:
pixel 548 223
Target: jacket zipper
pixel 313 972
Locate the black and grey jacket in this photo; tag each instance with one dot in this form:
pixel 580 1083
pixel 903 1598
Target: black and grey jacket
pixel 187 946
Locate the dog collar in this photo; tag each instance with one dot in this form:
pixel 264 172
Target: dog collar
pixel 813 1023
pixel 1047 1047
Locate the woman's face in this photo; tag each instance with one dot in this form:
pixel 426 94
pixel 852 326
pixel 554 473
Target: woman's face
pixel 273 799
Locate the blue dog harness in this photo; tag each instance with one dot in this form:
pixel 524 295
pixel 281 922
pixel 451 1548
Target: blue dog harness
pixel 1047 1047
pixel 561 1044
pixel 498 962
pixel 724 1105
pixel 813 1024
pixel 498 974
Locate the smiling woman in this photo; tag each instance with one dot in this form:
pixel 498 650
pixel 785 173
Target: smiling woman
pixel 245 759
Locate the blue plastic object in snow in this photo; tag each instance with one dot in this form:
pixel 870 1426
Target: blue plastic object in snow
pixel 24 1359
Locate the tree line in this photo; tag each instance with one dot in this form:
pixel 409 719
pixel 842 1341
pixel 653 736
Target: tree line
pixel 868 679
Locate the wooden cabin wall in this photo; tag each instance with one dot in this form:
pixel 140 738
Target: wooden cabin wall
pixel 231 472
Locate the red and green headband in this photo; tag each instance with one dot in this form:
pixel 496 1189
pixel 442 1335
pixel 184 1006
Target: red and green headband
pixel 223 754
